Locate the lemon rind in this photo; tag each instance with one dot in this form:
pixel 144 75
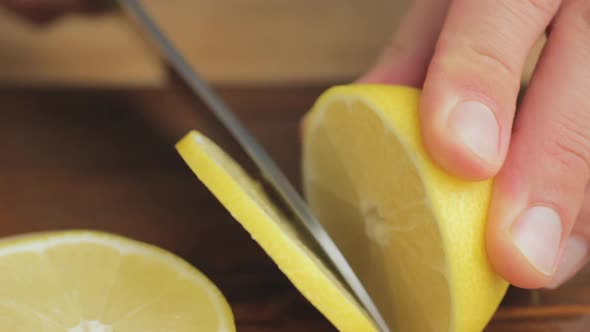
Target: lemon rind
pixel 409 137
pixel 322 289
pixel 40 241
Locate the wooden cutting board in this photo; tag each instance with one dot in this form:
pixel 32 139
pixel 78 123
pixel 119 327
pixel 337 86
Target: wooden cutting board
pixel 105 160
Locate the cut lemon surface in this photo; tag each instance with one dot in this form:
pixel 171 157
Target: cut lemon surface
pixel 82 281
pixel 286 245
pixel 413 233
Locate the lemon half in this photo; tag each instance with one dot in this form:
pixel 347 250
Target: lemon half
pixel 413 233
pixel 289 247
pixel 85 281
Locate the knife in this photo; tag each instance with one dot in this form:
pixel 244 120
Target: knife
pixel 270 171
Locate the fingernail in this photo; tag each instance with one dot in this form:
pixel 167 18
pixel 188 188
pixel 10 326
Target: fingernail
pixel 476 126
pixel 537 234
pixel 574 255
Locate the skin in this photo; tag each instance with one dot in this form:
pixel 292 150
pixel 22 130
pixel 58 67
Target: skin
pixel 474 52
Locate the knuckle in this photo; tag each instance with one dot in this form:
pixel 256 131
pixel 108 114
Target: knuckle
pixel 546 8
pixel 532 13
pixel 570 148
pixel 490 56
pixel 570 158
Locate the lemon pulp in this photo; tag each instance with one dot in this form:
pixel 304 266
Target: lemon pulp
pixel 413 234
pixel 83 281
pixel 288 246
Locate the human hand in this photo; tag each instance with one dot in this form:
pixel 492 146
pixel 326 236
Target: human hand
pixel 43 11
pixel 468 57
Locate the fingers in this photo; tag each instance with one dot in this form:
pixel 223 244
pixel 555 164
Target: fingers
pixel 576 252
pixel 405 60
pixel 472 83
pixel 540 189
pixel 575 256
pixel 43 11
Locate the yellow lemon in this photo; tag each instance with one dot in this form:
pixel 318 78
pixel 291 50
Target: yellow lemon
pixel 413 233
pixel 85 281
pixel 287 245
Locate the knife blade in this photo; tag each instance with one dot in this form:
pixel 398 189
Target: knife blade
pixel 269 169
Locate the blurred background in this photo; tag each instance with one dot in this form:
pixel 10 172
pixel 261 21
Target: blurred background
pixel 232 42
pixel 255 42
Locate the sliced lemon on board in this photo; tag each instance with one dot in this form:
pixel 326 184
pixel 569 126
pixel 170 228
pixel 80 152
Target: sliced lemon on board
pixel 413 233
pixel 86 281
pixel 287 246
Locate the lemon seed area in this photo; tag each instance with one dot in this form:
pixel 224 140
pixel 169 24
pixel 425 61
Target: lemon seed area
pixel 91 326
pixel 376 226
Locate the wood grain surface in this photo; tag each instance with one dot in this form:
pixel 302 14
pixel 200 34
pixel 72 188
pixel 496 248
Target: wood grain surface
pixel 105 160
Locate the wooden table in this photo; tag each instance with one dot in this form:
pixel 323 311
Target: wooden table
pixel 105 160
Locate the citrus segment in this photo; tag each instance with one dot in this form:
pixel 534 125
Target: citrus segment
pixel 83 281
pixel 413 234
pixel 288 246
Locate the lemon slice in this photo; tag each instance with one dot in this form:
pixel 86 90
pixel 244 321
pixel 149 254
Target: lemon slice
pixel 83 281
pixel 289 247
pixel 413 234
